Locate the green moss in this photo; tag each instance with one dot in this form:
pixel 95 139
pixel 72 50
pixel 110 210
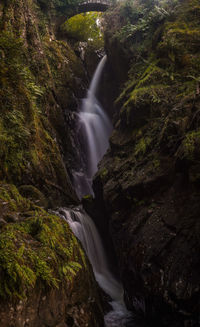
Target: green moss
pixel 103 173
pixel 37 80
pixel 159 103
pixel 142 146
pixel 38 248
pixel 191 144
pixel 83 27
pixel 10 195
pixel 88 198
pixel 156 163
pixel 34 194
pixel 171 67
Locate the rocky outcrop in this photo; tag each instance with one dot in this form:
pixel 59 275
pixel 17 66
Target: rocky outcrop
pixel 46 279
pixel 148 182
pixel 63 307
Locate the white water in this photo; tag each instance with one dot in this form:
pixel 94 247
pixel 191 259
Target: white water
pixel 95 129
pixel 85 230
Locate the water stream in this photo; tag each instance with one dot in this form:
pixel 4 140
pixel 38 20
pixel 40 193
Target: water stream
pixel 95 129
pixel 85 230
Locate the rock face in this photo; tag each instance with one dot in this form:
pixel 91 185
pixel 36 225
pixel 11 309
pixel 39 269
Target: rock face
pixel 46 279
pixel 148 182
pixel 61 307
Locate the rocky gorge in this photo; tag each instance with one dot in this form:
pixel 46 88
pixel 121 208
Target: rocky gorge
pixel 146 190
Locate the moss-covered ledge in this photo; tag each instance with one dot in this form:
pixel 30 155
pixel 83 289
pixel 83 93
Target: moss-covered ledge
pixel 42 264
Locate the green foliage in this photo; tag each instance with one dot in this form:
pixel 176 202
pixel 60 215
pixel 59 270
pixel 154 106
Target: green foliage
pixel 138 19
pixel 191 144
pixel 160 41
pixel 18 90
pixel 84 27
pixel 27 139
pixel 35 71
pixel 142 146
pixel 13 200
pixel 103 173
pixel 170 67
pixel 39 248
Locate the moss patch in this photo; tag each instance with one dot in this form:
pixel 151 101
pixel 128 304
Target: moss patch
pixel 161 94
pixel 40 247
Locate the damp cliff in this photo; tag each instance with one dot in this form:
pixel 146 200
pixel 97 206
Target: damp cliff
pixel 45 277
pixel 148 185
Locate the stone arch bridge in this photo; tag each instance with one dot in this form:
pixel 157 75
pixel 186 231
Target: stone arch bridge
pixel 93 5
pixel 82 7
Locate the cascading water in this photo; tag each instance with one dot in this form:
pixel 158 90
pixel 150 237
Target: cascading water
pixel 94 131
pixel 85 230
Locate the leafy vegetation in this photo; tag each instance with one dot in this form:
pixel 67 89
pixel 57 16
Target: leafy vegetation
pixel 38 248
pixel 37 75
pixel 158 46
pixel 85 28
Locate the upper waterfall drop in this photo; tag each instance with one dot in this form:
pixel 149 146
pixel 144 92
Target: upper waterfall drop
pixel 94 131
pixel 96 78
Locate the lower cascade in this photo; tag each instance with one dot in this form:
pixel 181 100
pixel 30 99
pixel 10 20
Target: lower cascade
pixel 85 230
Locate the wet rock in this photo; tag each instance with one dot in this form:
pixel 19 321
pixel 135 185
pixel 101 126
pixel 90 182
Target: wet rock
pixel 156 242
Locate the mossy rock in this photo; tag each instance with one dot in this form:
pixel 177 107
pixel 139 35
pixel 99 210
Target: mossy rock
pixel 40 247
pixel 32 193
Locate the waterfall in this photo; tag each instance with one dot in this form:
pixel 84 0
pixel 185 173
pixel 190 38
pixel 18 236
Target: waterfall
pixel 94 131
pixel 85 230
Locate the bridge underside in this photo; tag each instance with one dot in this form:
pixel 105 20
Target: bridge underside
pixel 85 7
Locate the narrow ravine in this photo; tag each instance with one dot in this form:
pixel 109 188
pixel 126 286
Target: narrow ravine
pixel 62 160
pixel 95 129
